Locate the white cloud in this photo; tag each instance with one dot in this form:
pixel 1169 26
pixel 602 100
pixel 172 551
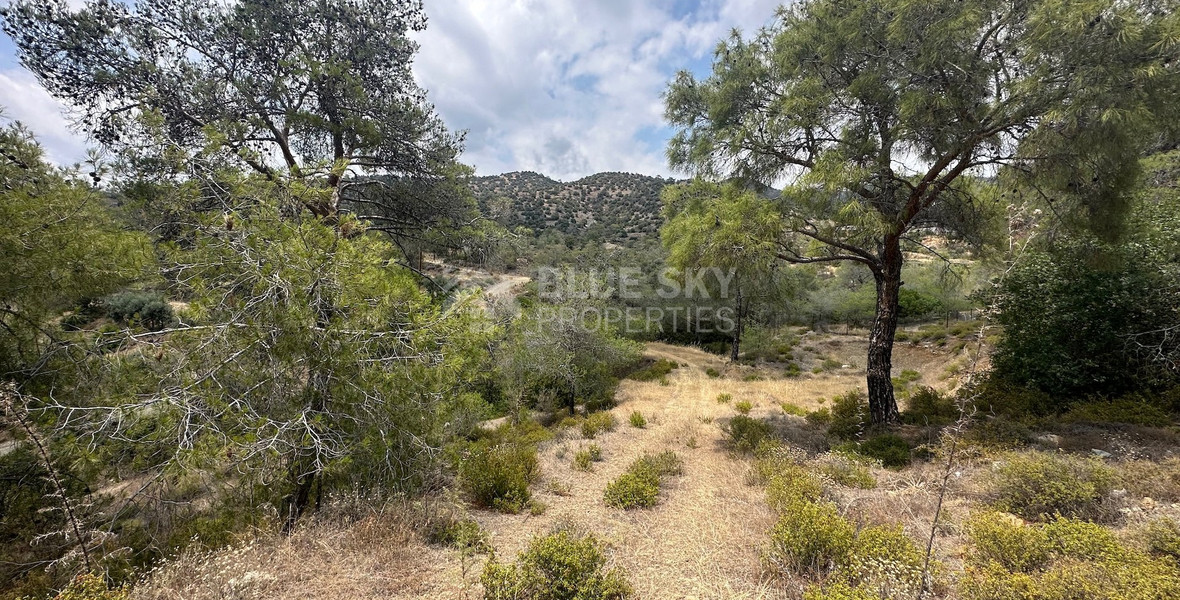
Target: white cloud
pixel 564 87
pixel 567 87
pixel 23 99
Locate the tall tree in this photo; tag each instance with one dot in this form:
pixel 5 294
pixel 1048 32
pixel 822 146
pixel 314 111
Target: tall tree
pixel 316 90
pixel 880 112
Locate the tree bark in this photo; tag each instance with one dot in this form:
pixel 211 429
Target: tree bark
pixel 735 345
pixel 882 403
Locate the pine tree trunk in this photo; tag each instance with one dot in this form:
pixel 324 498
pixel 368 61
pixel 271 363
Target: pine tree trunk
pixel 735 346
pixel 882 403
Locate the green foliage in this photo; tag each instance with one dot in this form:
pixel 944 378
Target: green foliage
pixel 850 415
pixel 498 475
pixel 596 423
pixel 1040 486
pixel 821 416
pixel 928 406
pixel 793 409
pixel 743 407
pixel 724 398
pixel 559 566
pixel 637 420
pixel 744 433
pixel 141 308
pixel 810 538
pixel 61 246
pixel 1068 313
pixel 464 535
pixel 639 485
pixel 791 483
pixel 654 371
pixel 889 449
pixel 635 488
pixel 839 591
pixel 712 373
pixel 584 459
pixel 845 471
pixel 1059 560
pixel 885 559
pixel 91 587
pixel 1133 410
pixel 1163 538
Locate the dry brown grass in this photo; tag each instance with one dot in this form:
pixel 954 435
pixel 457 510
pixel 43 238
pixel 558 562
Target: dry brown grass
pixel 703 540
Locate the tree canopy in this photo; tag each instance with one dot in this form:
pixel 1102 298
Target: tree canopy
pixel 883 116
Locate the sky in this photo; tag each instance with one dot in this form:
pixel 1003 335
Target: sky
pixel 566 88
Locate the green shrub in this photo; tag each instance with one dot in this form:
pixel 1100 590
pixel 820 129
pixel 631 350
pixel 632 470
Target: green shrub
pixel 585 458
pixel 743 407
pixel 712 373
pixel 461 534
pixel 91 587
pixel 1163 538
pixel 596 423
pixel 840 591
pixel 639 485
pixel 793 409
pixel 664 464
pixel 1065 559
pixel 1002 539
pixel 810 538
pixel 792 370
pixel 850 415
pixel 744 433
pixel 724 398
pixel 885 559
pixel 790 484
pixel 146 309
pixel 498 476
pixel 1039 486
pixel 890 450
pixel 1130 410
pixel 655 371
pixel 999 433
pixel 633 489
pixel 927 406
pixel 846 471
pixel 823 417
pixel 637 420
pixel 559 566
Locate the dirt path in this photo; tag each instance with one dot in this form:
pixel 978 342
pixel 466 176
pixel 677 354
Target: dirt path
pixel 703 540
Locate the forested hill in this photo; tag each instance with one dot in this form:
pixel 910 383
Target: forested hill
pixel 611 207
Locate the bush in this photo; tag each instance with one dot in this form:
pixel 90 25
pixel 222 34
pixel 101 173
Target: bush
pixel 840 591
pixel 146 309
pixel 1131 410
pixel 891 450
pixel 637 420
pixel 1040 486
pixel 998 432
pixel 461 534
pixel 639 486
pixel 792 370
pixel 744 433
pixel 1061 560
pixel 790 484
pixel 498 476
pixel 596 423
pixel 724 398
pixel 559 566
pixel 885 559
pixel 846 471
pixel 1163 538
pixel 821 417
pixel 635 488
pixel 91 587
pixel 712 373
pixel 810 538
pixel 928 407
pixel 793 409
pixel 584 459
pixel 850 414
pixel 743 406
pixel 655 371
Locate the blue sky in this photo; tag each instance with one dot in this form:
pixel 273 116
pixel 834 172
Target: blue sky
pixel 563 87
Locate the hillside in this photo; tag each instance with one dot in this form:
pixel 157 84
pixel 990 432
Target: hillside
pixel 612 207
